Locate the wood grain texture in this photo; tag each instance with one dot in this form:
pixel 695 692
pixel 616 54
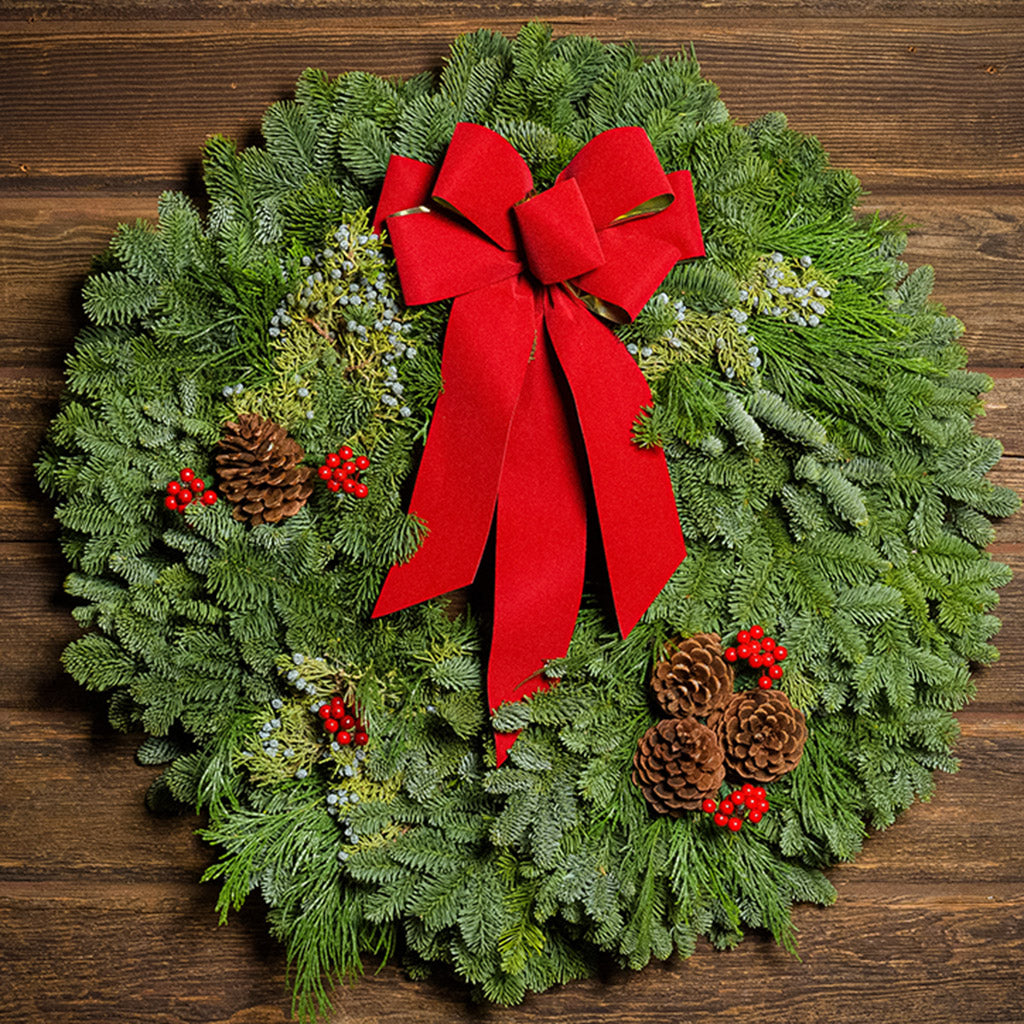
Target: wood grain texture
pixel 951 954
pixel 104 105
pixel 638 14
pixel 88 99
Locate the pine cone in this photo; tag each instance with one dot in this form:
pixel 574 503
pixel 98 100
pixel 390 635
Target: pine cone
pixel 693 678
pixel 677 763
pixel 762 733
pixel 260 470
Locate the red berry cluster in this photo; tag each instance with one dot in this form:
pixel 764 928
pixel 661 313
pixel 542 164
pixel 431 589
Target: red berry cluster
pixel 181 493
pixel 727 813
pixel 758 651
pixel 340 472
pixel 340 726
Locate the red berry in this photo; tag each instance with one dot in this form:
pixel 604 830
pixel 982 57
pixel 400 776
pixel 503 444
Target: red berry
pixel 738 798
pixel 337 707
pixel 188 475
pixel 347 721
pixel 756 661
pixel 325 472
pixel 361 739
pixel 349 467
pixel 348 486
pixel 767 643
pixel 744 651
pixel 334 485
pixel 735 824
pixel 331 725
pixel 209 498
pixel 362 462
pixel 743 636
pixel 198 486
pixel 339 474
pixel 361 490
pixel 757 632
pixel 755 646
pixel 184 497
pixel 726 807
pixel 324 711
pixel 709 806
pixel 171 502
pixel 343 737
pixel 333 460
pixel 344 453
pixel 721 819
pixel 748 787
pixel 173 487
pixel 765 683
pixel 761 792
pixel 730 654
pixel 780 653
pixel 754 817
pixel 775 671
pixel 767 658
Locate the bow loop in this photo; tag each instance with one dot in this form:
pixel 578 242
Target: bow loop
pixel 620 177
pixel 481 178
pixel 640 251
pixel 559 240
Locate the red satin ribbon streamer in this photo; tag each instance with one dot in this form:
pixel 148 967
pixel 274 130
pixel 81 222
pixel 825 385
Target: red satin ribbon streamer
pixel 528 370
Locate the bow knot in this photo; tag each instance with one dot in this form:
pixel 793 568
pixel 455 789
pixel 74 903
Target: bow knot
pixel 539 397
pixel 559 238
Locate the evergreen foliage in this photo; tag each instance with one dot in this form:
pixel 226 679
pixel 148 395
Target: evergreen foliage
pixel 816 416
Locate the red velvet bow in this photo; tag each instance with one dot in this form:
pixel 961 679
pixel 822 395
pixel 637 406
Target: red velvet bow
pixel 527 370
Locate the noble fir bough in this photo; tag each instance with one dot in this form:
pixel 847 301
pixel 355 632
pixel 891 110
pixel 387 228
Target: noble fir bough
pixel 817 420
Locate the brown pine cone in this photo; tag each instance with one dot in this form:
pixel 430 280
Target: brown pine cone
pixel 693 678
pixel 677 763
pixel 762 733
pixel 260 470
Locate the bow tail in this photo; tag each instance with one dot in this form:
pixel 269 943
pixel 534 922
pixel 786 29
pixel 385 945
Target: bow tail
pixel 636 509
pixel 486 352
pixel 540 541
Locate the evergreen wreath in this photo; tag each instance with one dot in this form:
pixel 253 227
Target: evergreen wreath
pixel 817 421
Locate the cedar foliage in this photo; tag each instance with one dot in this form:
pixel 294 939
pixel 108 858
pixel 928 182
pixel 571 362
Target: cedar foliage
pixel 829 486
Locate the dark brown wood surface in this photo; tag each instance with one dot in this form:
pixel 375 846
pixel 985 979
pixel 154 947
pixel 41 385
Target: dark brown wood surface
pixel 102 106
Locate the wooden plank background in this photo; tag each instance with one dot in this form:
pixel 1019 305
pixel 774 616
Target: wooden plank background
pixel 102 106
